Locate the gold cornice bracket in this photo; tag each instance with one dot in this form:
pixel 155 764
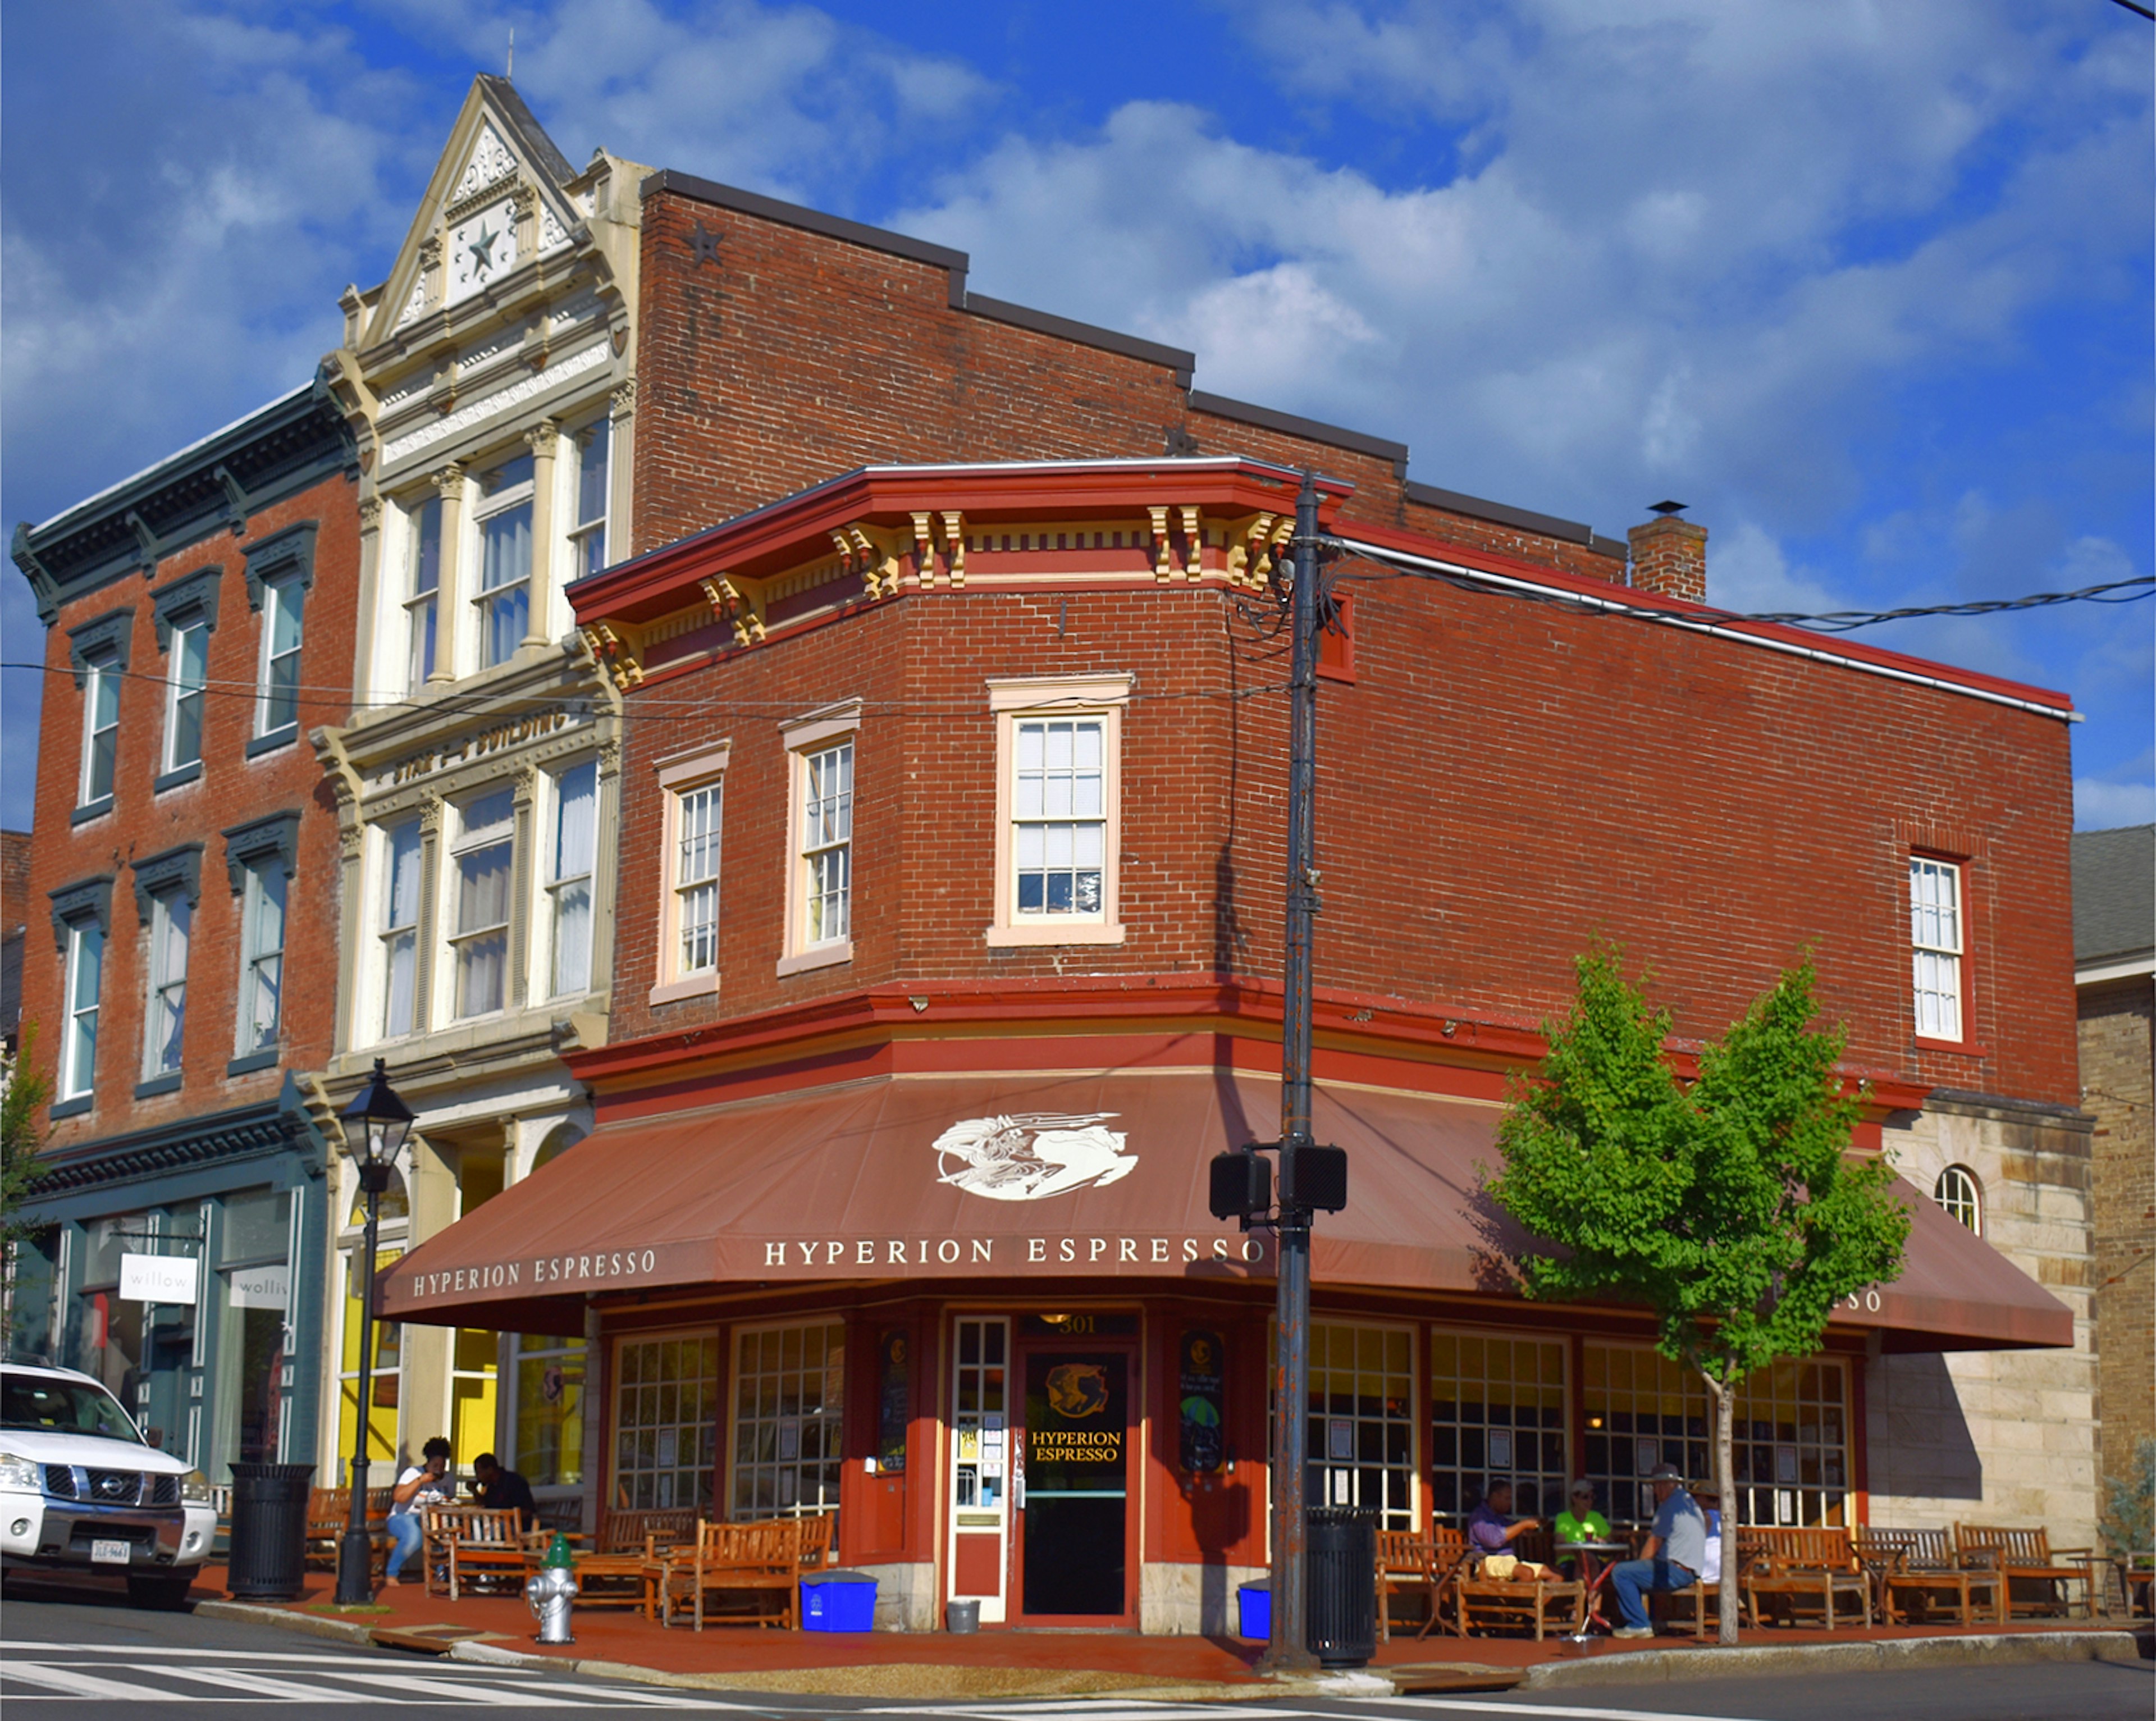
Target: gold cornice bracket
pixel 1249 563
pixel 878 551
pixel 1193 542
pixel 619 655
pixel 1163 559
pixel 954 546
pixel 924 548
pixel 742 611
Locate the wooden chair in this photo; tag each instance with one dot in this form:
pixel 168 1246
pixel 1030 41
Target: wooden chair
pixel 1488 1602
pixel 1796 1567
pixel 1920 1565
pixel 758 1564
pixel 486 1545
pixel 2027 1558
pixel 817 1554
pixel 329 1514
pixel 438 1524
pixel 1404 1568
pixel 625 1567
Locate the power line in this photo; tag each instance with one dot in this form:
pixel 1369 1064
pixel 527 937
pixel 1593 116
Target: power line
pixel 2136 7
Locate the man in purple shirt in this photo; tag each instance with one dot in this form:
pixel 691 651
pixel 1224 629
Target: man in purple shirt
pixel 1487 1531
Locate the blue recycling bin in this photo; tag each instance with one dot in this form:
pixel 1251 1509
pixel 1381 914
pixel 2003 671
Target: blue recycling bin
pixel 838 1601
pixel 1253 1611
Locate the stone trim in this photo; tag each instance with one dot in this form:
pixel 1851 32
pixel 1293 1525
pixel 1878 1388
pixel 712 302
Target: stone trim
pixel 113 631
pixel 190 595
pixel 86 899
pixel 287 552
pixel 259 840
pixel 178 867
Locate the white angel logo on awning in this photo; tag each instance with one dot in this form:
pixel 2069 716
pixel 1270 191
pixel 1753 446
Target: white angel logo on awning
pixel 1032 1156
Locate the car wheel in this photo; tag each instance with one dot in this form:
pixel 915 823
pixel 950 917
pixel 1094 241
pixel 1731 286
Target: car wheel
pixel 165 1594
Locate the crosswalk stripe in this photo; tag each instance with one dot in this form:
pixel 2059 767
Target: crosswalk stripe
pixel 78 1684
pixel 468 1690
pixel 9 1647
pixel 239 1679
pixel 1553 1711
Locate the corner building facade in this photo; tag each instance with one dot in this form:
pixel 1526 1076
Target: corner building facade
pixel 945 957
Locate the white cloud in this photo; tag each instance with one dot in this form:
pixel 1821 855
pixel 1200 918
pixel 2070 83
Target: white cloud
pixel 2103 805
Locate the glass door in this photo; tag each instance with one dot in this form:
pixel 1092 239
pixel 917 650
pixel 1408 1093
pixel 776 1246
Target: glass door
pixel 1075 1538
pixel 980 1460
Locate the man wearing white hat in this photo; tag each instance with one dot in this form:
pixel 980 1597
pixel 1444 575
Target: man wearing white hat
pixel 1675 1551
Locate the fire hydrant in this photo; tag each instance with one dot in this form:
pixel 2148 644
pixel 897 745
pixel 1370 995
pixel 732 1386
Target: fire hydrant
pixel 549 1591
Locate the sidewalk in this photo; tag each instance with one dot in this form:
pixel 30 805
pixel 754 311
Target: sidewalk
pixel 619 1643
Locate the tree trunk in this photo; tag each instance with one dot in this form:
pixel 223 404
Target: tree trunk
pixel 1725 1493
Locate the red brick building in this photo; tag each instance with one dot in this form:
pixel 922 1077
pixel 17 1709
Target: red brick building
pixel 947 952
pixel 184 868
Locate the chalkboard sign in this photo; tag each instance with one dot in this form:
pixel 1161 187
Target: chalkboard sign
pixel 894 1400
pixel 1201 1402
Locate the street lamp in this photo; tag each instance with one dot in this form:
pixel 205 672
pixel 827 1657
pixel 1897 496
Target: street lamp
pixel 379 1119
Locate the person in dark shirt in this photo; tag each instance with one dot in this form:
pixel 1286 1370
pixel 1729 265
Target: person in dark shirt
pixel 502 1489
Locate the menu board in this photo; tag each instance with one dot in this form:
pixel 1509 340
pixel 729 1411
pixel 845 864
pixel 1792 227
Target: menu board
pixel 894 1400
pixel 1200 1400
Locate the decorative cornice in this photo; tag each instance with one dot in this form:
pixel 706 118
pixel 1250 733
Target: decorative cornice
pixel 191 596
pixel 176 868
pixel 465 417
pixel 289 553
pixel 112 632
pixel 86 899
pixel 276 837
pixel 254 1133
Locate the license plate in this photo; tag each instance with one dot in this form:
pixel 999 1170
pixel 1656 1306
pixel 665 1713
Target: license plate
pixel 109 1552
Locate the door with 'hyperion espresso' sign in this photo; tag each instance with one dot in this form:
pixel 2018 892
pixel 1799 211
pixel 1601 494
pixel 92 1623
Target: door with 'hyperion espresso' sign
pixel 1074 1529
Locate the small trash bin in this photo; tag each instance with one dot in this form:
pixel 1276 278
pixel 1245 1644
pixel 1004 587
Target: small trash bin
pixel 838 1601
pixel 268 1557
pixel 963 1615
pixel 1342 1569
pixel 1253 1611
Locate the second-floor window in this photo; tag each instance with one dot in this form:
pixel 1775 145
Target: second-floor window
pixel 589 533
pixel 85 988
pixel 171 919
pixel 261 957
pixel 1935 937
pixel 185 691
pixel 697 880
pixel 504 560
pixel 827 844
pixel 101 730
pixel 569 864
pixel 484 856
pixel 1058 815
pixel 423 591
pixel 284 605
pixel 400 927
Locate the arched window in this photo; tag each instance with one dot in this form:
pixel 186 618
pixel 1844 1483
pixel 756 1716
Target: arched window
pixel 1958 1192
pixel 395 1205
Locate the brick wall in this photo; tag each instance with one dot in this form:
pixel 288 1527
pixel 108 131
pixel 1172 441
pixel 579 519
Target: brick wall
pixel 231 790
pixel 2116 1091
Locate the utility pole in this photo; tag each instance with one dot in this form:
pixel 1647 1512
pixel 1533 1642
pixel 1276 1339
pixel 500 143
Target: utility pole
pixel 1289 1649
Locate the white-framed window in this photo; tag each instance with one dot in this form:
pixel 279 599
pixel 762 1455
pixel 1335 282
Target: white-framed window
pixel 483 855
pixel 693 791
pixel 819 885
pixel 1496 1414
pixel 1958 1192
pixel 172 921
pixel 261 957
pixel 401 850
pixel 284 609
pixel 1058 809
pixel 85 988
pixel 571 857
pixel 504 599
pixel 789 1419
pixel 186 686
pixel 423 591
pixel 101 729
pixel 1935 937
pixel 1362 1421
pixel 667 1421
pixel 588 536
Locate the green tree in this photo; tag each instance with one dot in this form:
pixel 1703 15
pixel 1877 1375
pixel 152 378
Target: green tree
pixel 2130 1515
pixel 26 1092
pixel 1727 1205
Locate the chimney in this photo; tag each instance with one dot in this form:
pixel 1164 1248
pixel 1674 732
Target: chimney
pixel 1669 554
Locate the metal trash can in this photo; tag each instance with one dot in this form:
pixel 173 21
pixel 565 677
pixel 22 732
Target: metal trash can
pixel 1341 1569
pixel 961 1615
pixel 269 1557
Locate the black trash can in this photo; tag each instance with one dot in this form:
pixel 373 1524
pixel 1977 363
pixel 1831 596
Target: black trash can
pixel 1342 1569
pixel 269 1557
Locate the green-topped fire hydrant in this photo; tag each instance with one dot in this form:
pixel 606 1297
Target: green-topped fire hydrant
pixel 551 1590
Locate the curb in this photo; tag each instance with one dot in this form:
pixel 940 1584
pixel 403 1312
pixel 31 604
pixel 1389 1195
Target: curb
pixel 1674 1667
pixel 310 1625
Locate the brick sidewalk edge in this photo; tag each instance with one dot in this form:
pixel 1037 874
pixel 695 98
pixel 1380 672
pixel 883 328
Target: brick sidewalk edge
pixel 1656 1667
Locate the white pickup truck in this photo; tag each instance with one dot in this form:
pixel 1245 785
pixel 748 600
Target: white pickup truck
pixel 81 1491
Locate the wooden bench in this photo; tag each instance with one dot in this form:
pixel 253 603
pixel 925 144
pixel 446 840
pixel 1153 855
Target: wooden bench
pixel 2027 1558
pixel 329 1515
pixel 623 1569
pixel 1795 1567
pixel 1482 1602
pixel 1922 1565
pixel 757 1564
pixel 1403 1568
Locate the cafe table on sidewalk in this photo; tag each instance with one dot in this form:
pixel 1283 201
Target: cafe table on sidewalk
pixel 1595 1560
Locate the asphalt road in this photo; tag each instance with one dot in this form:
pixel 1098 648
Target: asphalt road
pixel 67 1653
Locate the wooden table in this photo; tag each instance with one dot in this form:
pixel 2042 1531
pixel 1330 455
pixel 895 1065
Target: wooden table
pixel 1593 1570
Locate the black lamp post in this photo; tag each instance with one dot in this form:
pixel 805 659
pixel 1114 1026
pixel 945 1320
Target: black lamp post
pixel 379 1119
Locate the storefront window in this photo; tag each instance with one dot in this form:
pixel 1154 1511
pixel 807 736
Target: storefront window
pixel 789 1387
pixel 382 1423
pixel 256 1282
pixel 549 1446
pixel 1362 1422
pixel 666 1422
pixel 1790 1427
pixel 1496 1406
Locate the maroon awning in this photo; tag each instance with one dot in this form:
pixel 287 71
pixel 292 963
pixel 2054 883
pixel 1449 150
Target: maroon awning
pixel 1038 1176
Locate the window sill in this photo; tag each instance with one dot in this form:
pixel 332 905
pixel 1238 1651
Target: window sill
pixel 71 1108
pixel 95 810
pixel 169 1082
pixel 173 779
pixel 1964 1048
pixel 266 1059
pixel 821 956
pixel 275 741
pixel 695 986
pixel 1031 932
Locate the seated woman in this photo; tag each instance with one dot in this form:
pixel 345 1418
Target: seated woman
pixel 1579 1522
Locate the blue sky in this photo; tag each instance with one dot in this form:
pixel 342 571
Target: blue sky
pixel 1867 282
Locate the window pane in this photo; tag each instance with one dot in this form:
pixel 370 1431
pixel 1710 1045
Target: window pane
pixel 169 927
pixel 592 474
pixel 575 821
pixel 190 661
pixel 86 984
pixel 101 713
pixel 573 938
pixel 483 965
pixel 483 888
pixel 427 548
pixel 263 954
pixel 404 903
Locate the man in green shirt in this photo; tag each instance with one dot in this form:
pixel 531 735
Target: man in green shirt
pixel 1579 1522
